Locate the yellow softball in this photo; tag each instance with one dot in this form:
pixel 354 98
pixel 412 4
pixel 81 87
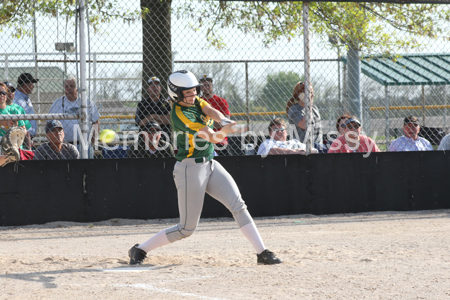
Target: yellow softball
pixel 107 136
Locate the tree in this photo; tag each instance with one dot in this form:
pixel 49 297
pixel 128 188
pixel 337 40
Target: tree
pixel 16 14
pixel 157 46
pixel 366 26
pixel 277 90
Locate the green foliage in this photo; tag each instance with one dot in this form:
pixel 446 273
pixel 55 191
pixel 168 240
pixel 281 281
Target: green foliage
pixel 16 14
pixel 369 27
pixel 277 91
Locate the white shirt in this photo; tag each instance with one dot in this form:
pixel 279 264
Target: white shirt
pixel 268 144
pixel 63 105
pixel 404 143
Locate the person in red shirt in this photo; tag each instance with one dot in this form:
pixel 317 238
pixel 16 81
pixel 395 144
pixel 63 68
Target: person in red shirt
pixel 218 103
pixel 353 141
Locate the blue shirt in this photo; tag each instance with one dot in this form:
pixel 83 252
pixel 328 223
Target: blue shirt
pixel 24 101
pixel 404 143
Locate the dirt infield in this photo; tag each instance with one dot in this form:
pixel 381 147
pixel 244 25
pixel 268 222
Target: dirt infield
pixel 385 255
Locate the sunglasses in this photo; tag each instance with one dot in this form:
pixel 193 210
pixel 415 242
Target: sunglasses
pixel 343 126
pixel 279 129
pixel 353 126
pixel 3 93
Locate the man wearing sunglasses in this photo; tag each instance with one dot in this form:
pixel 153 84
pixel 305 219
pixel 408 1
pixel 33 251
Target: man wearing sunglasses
pixel 410 141
pixel 353 141
pixel 278 143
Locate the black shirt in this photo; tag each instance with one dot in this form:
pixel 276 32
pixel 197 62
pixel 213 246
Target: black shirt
pixel 149 107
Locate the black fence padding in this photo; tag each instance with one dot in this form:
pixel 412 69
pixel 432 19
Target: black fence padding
pixel 95 190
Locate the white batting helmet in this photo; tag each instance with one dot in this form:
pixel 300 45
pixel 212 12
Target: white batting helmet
pixel 180 81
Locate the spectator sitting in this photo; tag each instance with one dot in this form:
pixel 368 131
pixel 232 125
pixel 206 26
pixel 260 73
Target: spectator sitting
pixel 295 110
pixel 55 148
pixel 445 143
pixel 25 86
pixel 218 103
pixel 410 141
pixel 154 109
pixel 20 110
pixel 150 144
pixel 277 144
pixel 340 124
pixel 70 103
pixel 7 110
pixel 353 141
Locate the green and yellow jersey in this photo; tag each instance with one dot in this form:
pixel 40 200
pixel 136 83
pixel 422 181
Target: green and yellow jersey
pixel 186 122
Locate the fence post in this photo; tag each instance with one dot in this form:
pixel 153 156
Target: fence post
pixel 386 103
pixel 84 107
pixel 308 103
pixel 247 101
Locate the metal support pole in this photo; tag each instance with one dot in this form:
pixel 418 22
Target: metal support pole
pixel 39 117
pixel 445 108
pixel 84 108
pixel 339 76
pixel 247 100
pixel 94 71
pixel 423 105
pixel 36 66
pixel 6 68
pixel 308 101
pixel 386 110
pixel 354 84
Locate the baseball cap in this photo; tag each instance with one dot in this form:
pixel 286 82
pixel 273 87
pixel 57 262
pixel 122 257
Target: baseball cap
pixel 10 86
pixel 351 120
pixel 205 78
pixel 25 78
pixel 52 125
pixel 151 126
pixel 153 80
pixel 411 119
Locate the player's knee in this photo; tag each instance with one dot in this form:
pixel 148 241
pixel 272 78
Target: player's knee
pixel 179 233
pixel 242 217
pixel 186 233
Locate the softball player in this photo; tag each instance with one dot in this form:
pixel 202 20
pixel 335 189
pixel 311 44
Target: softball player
pixel 196 172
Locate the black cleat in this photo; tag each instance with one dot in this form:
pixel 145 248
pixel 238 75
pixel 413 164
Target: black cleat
pixel 136 255
pixel 268 258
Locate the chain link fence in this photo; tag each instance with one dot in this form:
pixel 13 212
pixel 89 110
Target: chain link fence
pixel 129 59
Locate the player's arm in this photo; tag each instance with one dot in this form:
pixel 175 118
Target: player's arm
pixel 208 134
pixel 213 113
